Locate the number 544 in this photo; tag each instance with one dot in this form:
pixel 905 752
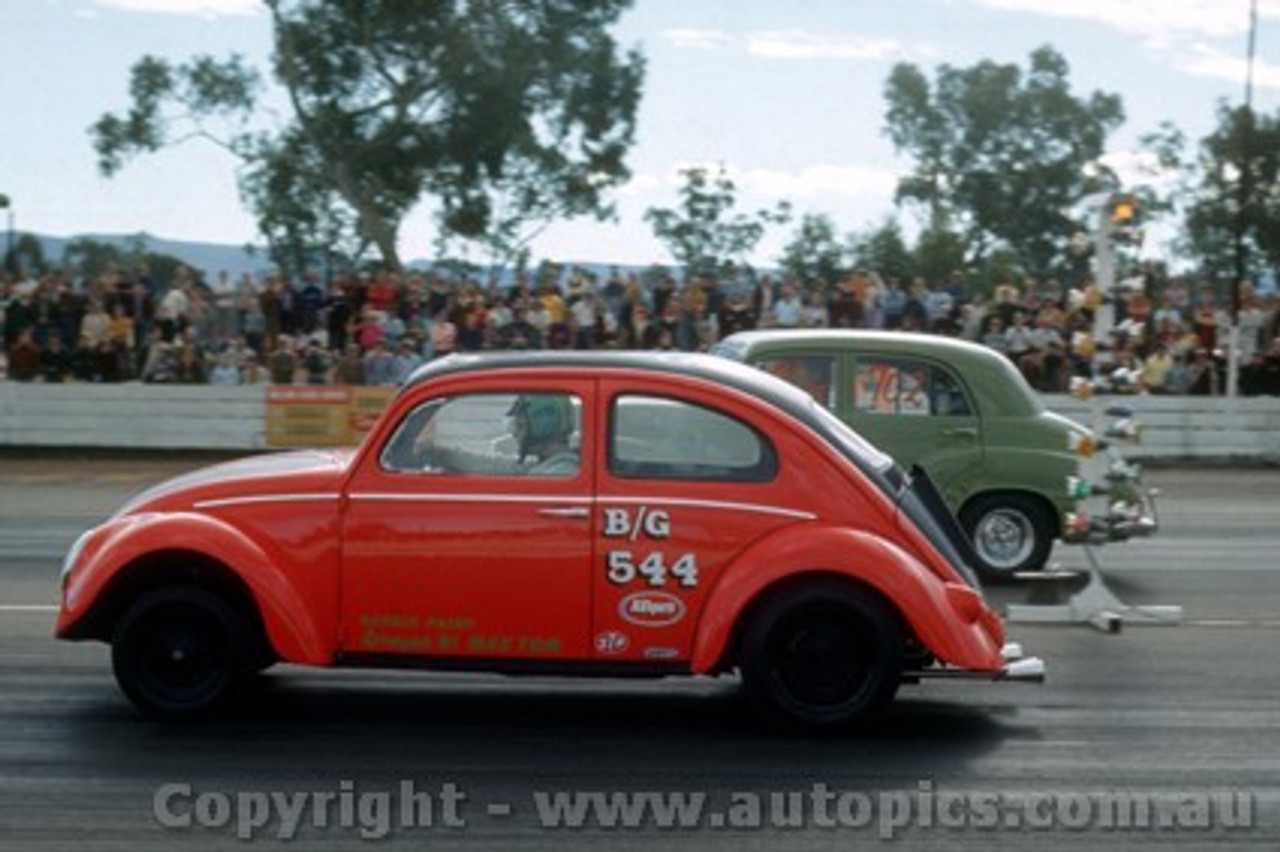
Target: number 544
pixel 624 569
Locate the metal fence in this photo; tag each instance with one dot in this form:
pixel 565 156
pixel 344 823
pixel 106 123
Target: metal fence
pixel 204 417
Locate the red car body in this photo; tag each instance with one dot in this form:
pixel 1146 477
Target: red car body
pixel 652 556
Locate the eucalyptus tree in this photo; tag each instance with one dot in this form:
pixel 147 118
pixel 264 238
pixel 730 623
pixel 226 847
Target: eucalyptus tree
pixel 1233 220
pixel 390 103
pixel 1000 153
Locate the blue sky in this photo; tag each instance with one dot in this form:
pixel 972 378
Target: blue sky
pixel 787 94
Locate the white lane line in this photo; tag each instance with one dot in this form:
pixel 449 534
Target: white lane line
pixel 1222 622
pixel 28 607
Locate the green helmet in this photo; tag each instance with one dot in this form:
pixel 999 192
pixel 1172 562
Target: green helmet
pixel 541 418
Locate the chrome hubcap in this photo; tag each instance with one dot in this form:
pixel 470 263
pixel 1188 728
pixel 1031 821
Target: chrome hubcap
pixel 1004 538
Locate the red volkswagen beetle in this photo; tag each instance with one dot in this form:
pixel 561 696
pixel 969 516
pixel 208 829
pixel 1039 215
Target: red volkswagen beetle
pixel 561 513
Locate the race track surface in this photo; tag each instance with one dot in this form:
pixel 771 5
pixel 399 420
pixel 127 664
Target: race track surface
pixel 1152 737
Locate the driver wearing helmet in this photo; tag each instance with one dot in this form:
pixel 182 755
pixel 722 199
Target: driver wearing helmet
pixel 541 426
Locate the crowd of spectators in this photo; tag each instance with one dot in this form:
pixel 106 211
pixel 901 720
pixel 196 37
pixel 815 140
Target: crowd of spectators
pixel 374 329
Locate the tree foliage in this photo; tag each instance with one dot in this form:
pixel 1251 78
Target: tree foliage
pixel 885 250
pixel 815 253
pixel 24 255
pixel 1000 153
pixel 92 258
pixel 705 234
pixel 1234 217
pixel 468 102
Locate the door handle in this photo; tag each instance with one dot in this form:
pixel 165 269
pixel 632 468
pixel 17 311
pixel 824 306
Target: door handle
pixel 566 512
pixel 960 432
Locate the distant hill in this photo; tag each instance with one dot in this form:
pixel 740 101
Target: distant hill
pixel 209 258
pixel 213 258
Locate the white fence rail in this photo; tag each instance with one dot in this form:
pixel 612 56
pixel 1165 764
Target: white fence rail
pixel 197 417
pixel 1189 427
pixel 134 416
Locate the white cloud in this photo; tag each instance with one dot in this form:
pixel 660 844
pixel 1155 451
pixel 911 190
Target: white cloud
pixel 698 39
pixel 1141 168
pixel 1205 60
pixel 640 185
pixel 796 44
pixel 1204 38
pixel 1154 19
pixel 821 181
pixel 202 8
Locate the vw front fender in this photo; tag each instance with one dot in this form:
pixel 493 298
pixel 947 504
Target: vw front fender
pixel 109 551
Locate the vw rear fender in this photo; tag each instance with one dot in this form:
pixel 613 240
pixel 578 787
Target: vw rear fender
pixel 949 618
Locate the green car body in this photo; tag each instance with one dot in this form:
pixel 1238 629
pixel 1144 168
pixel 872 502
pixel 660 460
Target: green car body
pixel 1014 473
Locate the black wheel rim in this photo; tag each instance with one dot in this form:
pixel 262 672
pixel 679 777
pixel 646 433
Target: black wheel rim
pixel 181 656
pixel 820 657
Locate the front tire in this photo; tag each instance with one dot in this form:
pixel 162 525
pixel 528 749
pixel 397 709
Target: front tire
pixel 180 652
pixel 821 655
pixel 1011 533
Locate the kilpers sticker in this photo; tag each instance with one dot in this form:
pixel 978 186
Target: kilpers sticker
pixel 651 609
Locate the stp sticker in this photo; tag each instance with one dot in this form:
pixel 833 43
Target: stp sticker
pixel 612 642
pixel 651 609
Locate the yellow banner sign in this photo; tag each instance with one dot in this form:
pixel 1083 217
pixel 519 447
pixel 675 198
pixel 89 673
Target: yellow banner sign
pixel 322 415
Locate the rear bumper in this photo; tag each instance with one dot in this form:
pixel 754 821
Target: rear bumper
pixel 1016 668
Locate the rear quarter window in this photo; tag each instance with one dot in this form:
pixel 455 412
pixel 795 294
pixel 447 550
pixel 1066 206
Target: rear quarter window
pixel 814 374
pixel 654 437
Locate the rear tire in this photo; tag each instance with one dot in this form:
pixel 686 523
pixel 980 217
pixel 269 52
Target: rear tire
pixel 180 652
pixel 1010 534
pixel 821 655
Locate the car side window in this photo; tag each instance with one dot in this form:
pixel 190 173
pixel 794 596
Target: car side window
pixel 489 434
pixel 946 395
pixel 659 438
pixel 905 387
pixel 811 373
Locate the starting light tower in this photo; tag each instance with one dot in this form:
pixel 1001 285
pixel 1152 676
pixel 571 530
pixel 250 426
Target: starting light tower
pixel 1117 216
